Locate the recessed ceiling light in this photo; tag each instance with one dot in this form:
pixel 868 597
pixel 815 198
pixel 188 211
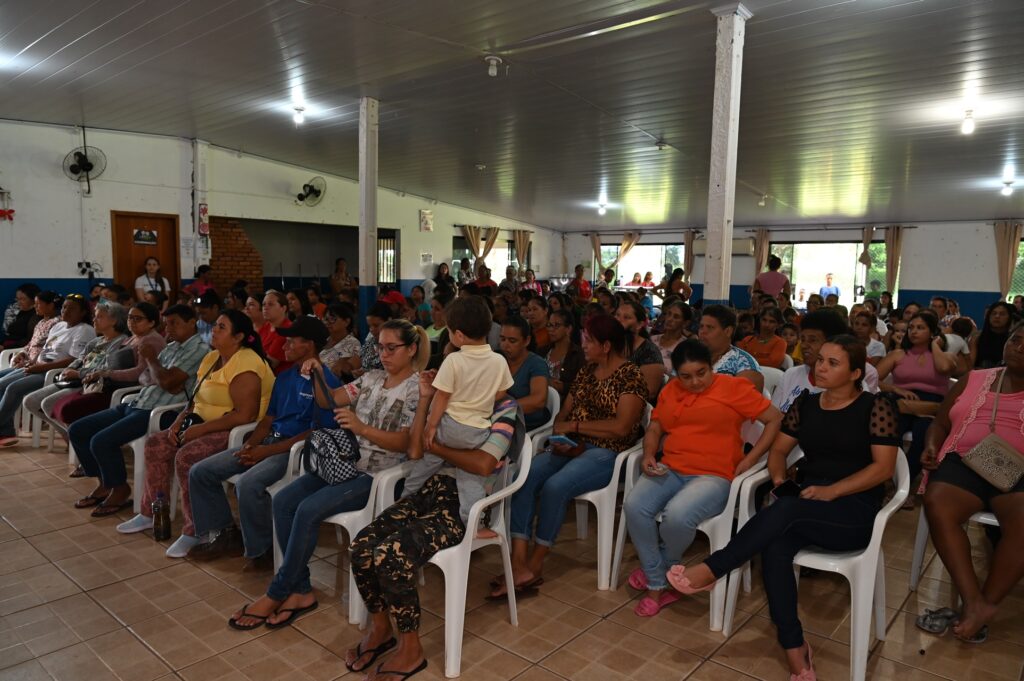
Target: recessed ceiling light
pixel 300 115
pixel 481 166
pixel 967 126
pixel 601 210
pixel 1007 188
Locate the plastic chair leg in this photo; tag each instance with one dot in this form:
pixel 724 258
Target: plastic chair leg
pixel 920 545
pixel 605 530
pixel 510 587
pixel 732 596
pixel 139 474
pixel 456 576
pixel 357 612
pixel 880 613
pixel 582 519
pixel 862 584
pixel 620 547
pixel 72 457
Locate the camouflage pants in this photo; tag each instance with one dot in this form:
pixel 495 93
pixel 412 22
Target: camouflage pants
pixel 389 551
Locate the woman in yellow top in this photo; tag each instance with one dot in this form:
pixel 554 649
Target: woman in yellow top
pixel 233 389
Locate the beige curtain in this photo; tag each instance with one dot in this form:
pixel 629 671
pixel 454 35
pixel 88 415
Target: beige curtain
pixel 688 255
pixel 472 235
pixel 595 243
pixel 893 249
pixel 521 240
pixel 489 240
pixel 866 237
pixel 761 245
pixel 1008 234
pixel 629 239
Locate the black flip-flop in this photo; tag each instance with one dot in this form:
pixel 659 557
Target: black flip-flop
pixel 402 675
pixel 527 590
pixel 79 472
pixel 499 582
pixel 89 502
pixel 104 510
pixel 376 652
pixel 233 622
pixel 292 614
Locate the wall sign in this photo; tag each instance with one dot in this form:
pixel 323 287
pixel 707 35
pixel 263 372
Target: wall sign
pixel 204 220
pixel 426 221
pixel 144 237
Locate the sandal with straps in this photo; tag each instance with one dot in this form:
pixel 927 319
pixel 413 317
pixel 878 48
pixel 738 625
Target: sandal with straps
pixel 375 652
pixel 233 622
pixel 401 675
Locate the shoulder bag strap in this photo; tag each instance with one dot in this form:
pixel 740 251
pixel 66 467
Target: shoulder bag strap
pixel 995 404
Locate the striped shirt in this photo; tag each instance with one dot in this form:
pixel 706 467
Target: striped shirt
pixel 185 356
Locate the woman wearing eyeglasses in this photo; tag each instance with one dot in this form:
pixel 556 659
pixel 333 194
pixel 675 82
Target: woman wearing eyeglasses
pixel 378 407
pixel 565 358
pixel 64 344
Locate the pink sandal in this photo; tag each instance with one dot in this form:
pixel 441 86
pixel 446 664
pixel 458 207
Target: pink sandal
pixel 807 674
pixel 9 442
pixel 638 580
pixel 681 582
pixel 648 607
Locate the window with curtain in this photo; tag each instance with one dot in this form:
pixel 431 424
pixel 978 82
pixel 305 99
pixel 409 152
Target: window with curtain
pixel 387 256
pixel 501 256
pixel 807 263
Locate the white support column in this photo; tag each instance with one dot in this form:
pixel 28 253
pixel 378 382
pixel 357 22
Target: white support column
pixel 725 128
pixel 368 128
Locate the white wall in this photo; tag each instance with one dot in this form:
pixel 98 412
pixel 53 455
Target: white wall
pixel 252 187
pixel 54 225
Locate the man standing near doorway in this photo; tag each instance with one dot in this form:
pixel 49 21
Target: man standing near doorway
pixel 828 289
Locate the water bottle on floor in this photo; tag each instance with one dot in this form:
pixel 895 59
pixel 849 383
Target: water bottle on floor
pixel 161 518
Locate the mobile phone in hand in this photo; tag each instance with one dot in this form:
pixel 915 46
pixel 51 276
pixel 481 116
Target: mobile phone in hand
pixel 786 489
pixel 561 440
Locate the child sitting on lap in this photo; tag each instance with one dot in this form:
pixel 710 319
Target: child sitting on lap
pixel 468 384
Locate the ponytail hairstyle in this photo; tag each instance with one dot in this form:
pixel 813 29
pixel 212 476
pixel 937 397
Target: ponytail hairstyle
pixel 411 335
pixel 640 312
pixel 51 298
pixel 241 324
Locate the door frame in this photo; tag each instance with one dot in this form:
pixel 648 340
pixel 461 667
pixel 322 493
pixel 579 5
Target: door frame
pixel 175 285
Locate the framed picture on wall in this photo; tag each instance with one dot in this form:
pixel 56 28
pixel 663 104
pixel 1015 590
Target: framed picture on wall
pixel 426 221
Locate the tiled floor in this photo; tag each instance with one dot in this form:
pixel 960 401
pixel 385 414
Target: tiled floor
pixel 79 602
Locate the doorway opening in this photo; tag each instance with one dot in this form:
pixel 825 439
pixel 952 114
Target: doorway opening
pixel 807 264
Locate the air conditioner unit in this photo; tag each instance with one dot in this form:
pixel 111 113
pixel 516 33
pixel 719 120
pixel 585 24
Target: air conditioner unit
pixel 743 246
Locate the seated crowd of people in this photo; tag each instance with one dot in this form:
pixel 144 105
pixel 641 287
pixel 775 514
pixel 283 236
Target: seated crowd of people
pixel 449 380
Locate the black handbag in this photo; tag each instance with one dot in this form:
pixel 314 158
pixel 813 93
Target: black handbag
pixel 192 418
pixel 331 453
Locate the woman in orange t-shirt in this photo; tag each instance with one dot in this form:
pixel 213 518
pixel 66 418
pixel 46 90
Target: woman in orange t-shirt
pixel 768 349
pixel 697 427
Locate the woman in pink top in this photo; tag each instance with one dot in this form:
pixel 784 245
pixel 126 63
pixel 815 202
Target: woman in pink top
pixel 920 371
pixel 773 282
pixel 955 492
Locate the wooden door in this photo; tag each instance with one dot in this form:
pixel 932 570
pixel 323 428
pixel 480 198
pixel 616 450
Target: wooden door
pixel 138 236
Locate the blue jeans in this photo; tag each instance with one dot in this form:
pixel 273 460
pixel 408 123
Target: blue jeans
pixel 210 509
pixel 98 438
pixel 14 385
pixel 298 511
pixel 686 501
pixel 552 483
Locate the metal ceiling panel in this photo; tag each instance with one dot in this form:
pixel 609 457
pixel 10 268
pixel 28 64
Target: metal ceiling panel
pixel 850 109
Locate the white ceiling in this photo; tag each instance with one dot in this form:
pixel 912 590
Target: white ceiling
pixel 850 108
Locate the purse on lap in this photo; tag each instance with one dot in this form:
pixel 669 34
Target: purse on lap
pixel 331 453
pixel 995 459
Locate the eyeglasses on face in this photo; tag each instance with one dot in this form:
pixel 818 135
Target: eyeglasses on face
pixel 136 318
pixel 390 347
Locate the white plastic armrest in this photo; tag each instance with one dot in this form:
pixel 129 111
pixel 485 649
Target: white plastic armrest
pixel 386 482
pixel 238 433
pixel 117 397
pixel 295 460
pixel 154 416
pixel 633 472
pixel 51 376
pixel 7 356
pixel 491 499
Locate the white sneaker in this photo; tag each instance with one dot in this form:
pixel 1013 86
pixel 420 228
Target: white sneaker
pixel 182 545
pixel 136 524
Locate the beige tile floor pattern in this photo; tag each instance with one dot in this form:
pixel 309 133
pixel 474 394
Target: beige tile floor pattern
pixel 79 602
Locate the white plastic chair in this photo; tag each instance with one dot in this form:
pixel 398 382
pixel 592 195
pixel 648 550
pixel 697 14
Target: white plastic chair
pixel 921 543
pixel 454 561
pixel 787 363
pixel 6 356
pixel 554 403
pixel 604 502
pixel 382 495
pixel 717 529
pixel 772 380
pixel 865 570
pixel 36 423
pixel 138 446
pixel 116 398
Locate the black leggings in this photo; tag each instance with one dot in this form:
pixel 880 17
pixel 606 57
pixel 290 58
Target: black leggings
pixel 779 532
pixel 387 553
pixel 918 426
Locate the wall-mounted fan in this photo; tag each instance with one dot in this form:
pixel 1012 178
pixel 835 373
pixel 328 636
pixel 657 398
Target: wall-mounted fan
pixel 312 192
pixel 85 164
